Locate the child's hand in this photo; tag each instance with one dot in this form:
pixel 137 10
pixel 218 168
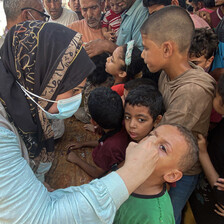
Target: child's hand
pixel 72 157
pixel 219 210
pixel 220 184
pixel 202 144
pixel 74 145
pixel 110 35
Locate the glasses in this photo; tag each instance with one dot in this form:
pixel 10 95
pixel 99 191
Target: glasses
pixel 42 14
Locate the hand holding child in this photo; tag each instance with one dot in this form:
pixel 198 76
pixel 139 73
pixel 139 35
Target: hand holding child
pixel 110 35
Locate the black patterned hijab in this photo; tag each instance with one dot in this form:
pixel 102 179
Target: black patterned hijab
pixel 47 59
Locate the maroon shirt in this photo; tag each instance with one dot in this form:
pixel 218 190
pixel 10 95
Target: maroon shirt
pixel 111 151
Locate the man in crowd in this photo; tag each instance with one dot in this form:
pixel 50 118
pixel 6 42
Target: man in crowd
pixel 74 5
pixel 58 13
pixel 90 26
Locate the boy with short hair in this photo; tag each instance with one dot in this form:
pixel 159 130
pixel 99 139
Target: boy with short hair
pixel 203 47
pixel 143 111
pixel 186 89
pixel 106 110
pixel 150 203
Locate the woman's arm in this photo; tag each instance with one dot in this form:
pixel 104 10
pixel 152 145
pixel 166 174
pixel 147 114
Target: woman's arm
pixel 25 200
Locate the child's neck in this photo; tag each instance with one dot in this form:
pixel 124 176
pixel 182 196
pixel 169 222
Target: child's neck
pixel 177 66
pixel 118 80
pixel 151 186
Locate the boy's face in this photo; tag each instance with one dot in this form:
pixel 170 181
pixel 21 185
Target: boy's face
pixel 115 63
pixel 202 61
pixel 115 6
pixel 172 147
pixel 138 121
pixel 152 54
pixel 218 104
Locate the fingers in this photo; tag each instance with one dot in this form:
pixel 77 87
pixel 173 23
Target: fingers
pixel 220 184
pixel 219 210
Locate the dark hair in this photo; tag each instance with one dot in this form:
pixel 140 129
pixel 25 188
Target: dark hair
pixel 148 3
pixel 136 65
pixel 174 23
pixel 106 108
pixel 146 96
pixel 220 87
pixel 134 83
pixel 99 75
pixel 204 42
pixel 209 3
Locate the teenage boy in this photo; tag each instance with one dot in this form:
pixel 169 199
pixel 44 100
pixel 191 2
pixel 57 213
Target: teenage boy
pixel 106 110
pixel 150 203
pixel 187 90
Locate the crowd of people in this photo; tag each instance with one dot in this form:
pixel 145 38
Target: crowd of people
pixel 147 76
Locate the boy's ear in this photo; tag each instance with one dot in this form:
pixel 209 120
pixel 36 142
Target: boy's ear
pixel 167 49
pixel 122 74
pixel 158 119
pixel 209 62
pixel 173 176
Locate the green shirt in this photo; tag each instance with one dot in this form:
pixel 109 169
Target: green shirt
pixel 146 209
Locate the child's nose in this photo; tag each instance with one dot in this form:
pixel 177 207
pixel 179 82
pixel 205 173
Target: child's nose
pixel 132 123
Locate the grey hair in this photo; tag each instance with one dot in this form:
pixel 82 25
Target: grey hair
pixel 13 8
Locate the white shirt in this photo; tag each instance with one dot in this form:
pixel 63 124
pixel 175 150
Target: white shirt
pixel 67 17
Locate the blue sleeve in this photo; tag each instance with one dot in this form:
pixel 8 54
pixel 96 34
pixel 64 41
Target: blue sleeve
pixel 219 57
pixel 23 199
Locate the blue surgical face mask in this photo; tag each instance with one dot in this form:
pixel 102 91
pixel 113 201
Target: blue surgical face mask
pixel 66 107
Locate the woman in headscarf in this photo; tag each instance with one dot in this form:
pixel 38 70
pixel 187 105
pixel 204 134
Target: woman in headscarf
pixel 42 66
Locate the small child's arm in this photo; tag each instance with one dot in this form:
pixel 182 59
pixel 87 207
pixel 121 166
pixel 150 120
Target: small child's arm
pixel 206 163
pixel 93 171
pixel 78 145
pixel 109 35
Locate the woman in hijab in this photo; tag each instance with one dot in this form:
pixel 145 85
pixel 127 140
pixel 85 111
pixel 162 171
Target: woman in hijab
pixel 42 66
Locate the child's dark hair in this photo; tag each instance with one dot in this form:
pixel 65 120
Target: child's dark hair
pixel 106 108
pixel 99 75
pixel 134 83
pixel 204 42
pixel 144 96
pixel 136 65
pixel 148 3
pixel 220 87
pixel 209 3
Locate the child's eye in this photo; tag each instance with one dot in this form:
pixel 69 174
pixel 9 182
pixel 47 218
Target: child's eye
pixel 162 147
pixel 126 117
pixel 141 120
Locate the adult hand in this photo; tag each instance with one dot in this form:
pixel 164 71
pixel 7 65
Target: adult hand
pixel 219 210
pixel 110 36
pixel 202 144
pixel 139 163
pixel 220 184
pixel 95 47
